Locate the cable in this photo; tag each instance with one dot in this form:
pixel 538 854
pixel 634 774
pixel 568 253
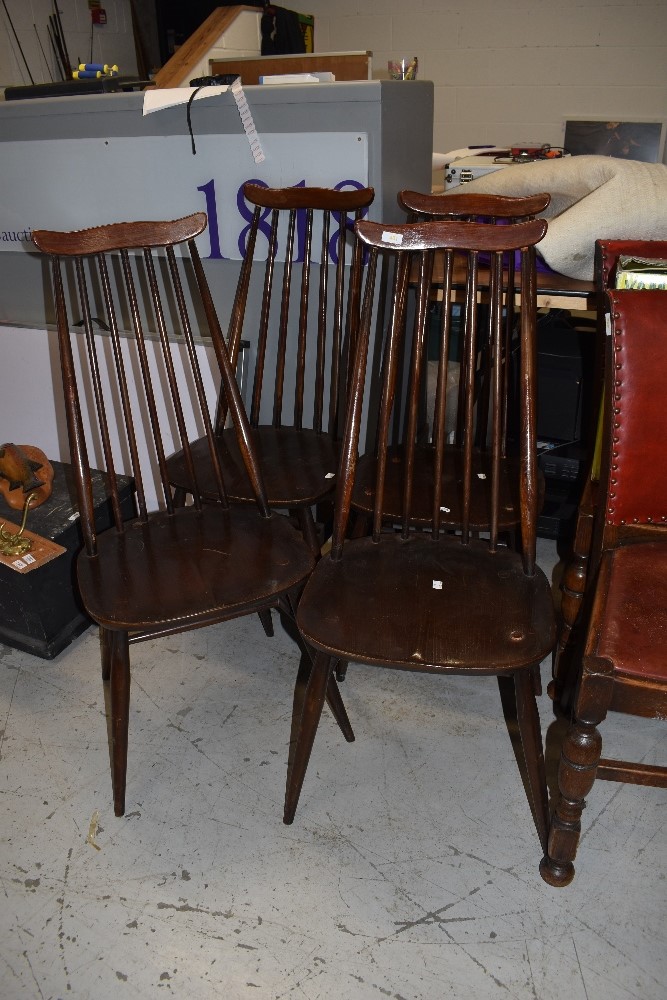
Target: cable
pixel 17 41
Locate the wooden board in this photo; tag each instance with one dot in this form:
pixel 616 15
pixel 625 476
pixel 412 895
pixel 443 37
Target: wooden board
pixel 41 551
pixel 343 65
pixel 178 70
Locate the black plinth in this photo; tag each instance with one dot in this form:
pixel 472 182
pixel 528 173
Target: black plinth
pixel 40 611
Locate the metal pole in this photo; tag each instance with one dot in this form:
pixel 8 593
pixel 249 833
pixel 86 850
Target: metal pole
pixel 11 23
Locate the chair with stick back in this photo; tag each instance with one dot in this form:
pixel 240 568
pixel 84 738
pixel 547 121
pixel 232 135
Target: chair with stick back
pixel 297 315
pixel 174 568
pixel 434 598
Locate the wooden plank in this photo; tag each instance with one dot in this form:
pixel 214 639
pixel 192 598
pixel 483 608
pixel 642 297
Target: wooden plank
pixel 178 70
pixel 343 65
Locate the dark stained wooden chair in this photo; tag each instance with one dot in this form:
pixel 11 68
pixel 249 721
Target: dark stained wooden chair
pixel 171 569
pixel 623 666
pixel 470 207
pixel 573 585
pixel 435 600
pixel 297 316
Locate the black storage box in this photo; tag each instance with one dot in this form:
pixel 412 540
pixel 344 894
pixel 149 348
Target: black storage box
pixel 40 611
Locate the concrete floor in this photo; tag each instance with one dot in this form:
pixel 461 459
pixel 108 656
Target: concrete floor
pixel 411 870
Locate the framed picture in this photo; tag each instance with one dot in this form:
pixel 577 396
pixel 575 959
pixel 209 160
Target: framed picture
pixel 632 140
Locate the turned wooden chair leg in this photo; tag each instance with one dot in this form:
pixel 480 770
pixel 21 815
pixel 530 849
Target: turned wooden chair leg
pixel 316 691
pixel 528 719
pixel 119 708
pixel 576 774
pixel 564 669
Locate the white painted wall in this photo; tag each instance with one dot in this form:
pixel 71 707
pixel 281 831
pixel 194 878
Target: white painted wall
pixel 112 43
pixel 512 70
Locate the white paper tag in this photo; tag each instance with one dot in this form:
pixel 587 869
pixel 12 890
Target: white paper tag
pixel 396 238
pixel 247 121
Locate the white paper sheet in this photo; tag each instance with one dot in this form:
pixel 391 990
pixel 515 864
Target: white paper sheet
pixel 170 97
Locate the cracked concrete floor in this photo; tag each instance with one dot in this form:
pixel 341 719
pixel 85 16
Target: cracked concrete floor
pixel 411 870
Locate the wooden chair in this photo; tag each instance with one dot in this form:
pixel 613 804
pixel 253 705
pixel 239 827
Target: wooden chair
pixel 300 342
pixel 492 209
pixel 623 667
pixel 172 569
pixel 573 585
pixel 434 600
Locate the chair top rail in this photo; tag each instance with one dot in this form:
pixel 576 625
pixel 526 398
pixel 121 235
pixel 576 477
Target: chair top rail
pixel 119 236
pixel 308 197
pixel 451 235
pixel 473 203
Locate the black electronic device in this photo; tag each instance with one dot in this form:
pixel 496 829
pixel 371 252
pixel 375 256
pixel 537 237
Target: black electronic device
pixel 220 80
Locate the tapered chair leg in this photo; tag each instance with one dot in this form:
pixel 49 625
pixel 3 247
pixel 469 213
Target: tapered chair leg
pixel 338 710
pixel 528 719
pixel 179 496
pixel 341 670
pixel 120 714
pixel 267 622
pixel 105 653
pixel 316 692
pixel 304 516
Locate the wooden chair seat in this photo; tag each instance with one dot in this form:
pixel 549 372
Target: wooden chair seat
pixel 451 507
pixel 633 632
pixel 236 562
pixel 298 466
pixel 384 595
